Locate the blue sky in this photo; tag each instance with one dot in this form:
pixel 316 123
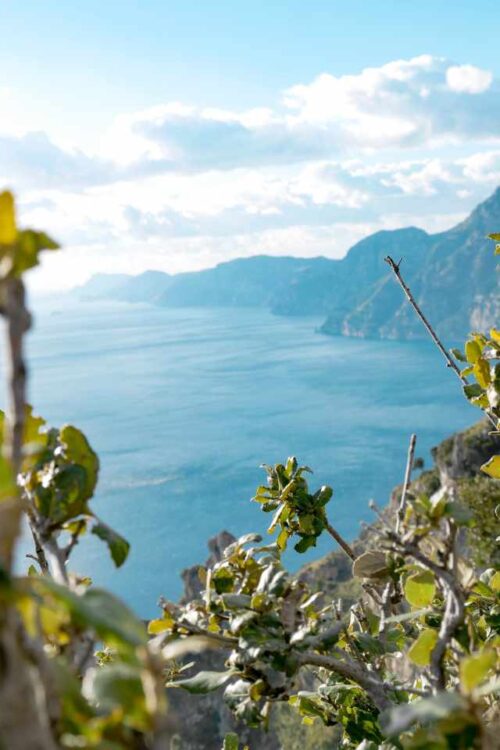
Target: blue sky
pixel 174 135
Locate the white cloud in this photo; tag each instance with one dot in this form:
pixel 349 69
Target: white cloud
pixel 178 186
pixel 468 79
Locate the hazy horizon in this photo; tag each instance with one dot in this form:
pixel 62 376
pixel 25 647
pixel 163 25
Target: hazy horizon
pixel 178 135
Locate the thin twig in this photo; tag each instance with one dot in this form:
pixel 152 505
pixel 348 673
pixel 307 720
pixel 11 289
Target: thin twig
pixel 406 483
pixel 74 539
pixel 40 553
pixel 340 541
pixel 430 330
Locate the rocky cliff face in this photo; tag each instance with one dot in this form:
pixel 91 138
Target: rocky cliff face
pixel 452 275
pixel 454 280
pixel 201 721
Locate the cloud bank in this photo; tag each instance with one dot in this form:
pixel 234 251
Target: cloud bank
pixel 180 187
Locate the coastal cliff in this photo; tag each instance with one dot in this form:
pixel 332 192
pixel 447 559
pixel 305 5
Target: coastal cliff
pixel 452 274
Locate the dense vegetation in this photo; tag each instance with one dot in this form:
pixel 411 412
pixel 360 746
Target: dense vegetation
pixel 412 663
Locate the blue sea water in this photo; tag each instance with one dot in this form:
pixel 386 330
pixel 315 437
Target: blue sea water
pixel 183 406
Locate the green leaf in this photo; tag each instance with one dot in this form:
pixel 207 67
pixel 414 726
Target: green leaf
pixel 29 245
pixel 8 230
pixel 204 682
pixel 473 390
pixel 492 467
pixel 495 335
pixel 282 539
pixel 277 517
pixel 482 372
pixel 155 627
pixel 118 687
pixel 420 589
pixel 305 543
pixel 458 355
pixel 97 609
pixel 421 650
pixel 472 351
pixel 368 643
pixel 8 486
pixel 474 669
pixel 78 451
pixel 231 742
pixel 118 546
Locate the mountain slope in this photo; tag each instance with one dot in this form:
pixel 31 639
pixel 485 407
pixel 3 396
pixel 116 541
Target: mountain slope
pixel 456 285
pixel 452 275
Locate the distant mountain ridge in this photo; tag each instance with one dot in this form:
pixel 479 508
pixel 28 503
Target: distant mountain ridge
pixel 452 274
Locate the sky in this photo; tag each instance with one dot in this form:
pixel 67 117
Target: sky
pixel 173 135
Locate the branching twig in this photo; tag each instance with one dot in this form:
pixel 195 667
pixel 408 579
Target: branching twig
pixel 430 330
pixel 374 687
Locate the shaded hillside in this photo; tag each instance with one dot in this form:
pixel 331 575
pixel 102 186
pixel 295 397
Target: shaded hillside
pixel 456 283
pixel 452 274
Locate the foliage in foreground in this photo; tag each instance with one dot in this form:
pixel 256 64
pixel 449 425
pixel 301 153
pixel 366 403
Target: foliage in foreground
pixel 412 664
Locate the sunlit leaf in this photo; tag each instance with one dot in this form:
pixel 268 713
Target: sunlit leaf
pixel 474 669
pixel 8 231
pixel 472 351
pixel 421 649
pixel 420 589
pixel 492 467
pixel 482 372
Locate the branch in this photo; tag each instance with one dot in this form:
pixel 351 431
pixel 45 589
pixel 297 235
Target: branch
pixel 17 323
pixel 452 619
pixel 409 467
pixel 27 705
pixel 225 640
pixel 340 541
pixel 74 540
pixel 56 559
pixel 430 330
pixel 40 553
pixel 374 687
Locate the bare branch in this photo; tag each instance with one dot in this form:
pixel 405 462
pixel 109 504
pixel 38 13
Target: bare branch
pixel 409 467
pixel 430 330
pixel 74 539
pixel 340 541
pixel 453 617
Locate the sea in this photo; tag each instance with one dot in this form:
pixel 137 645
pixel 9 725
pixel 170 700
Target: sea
pixel 184 405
